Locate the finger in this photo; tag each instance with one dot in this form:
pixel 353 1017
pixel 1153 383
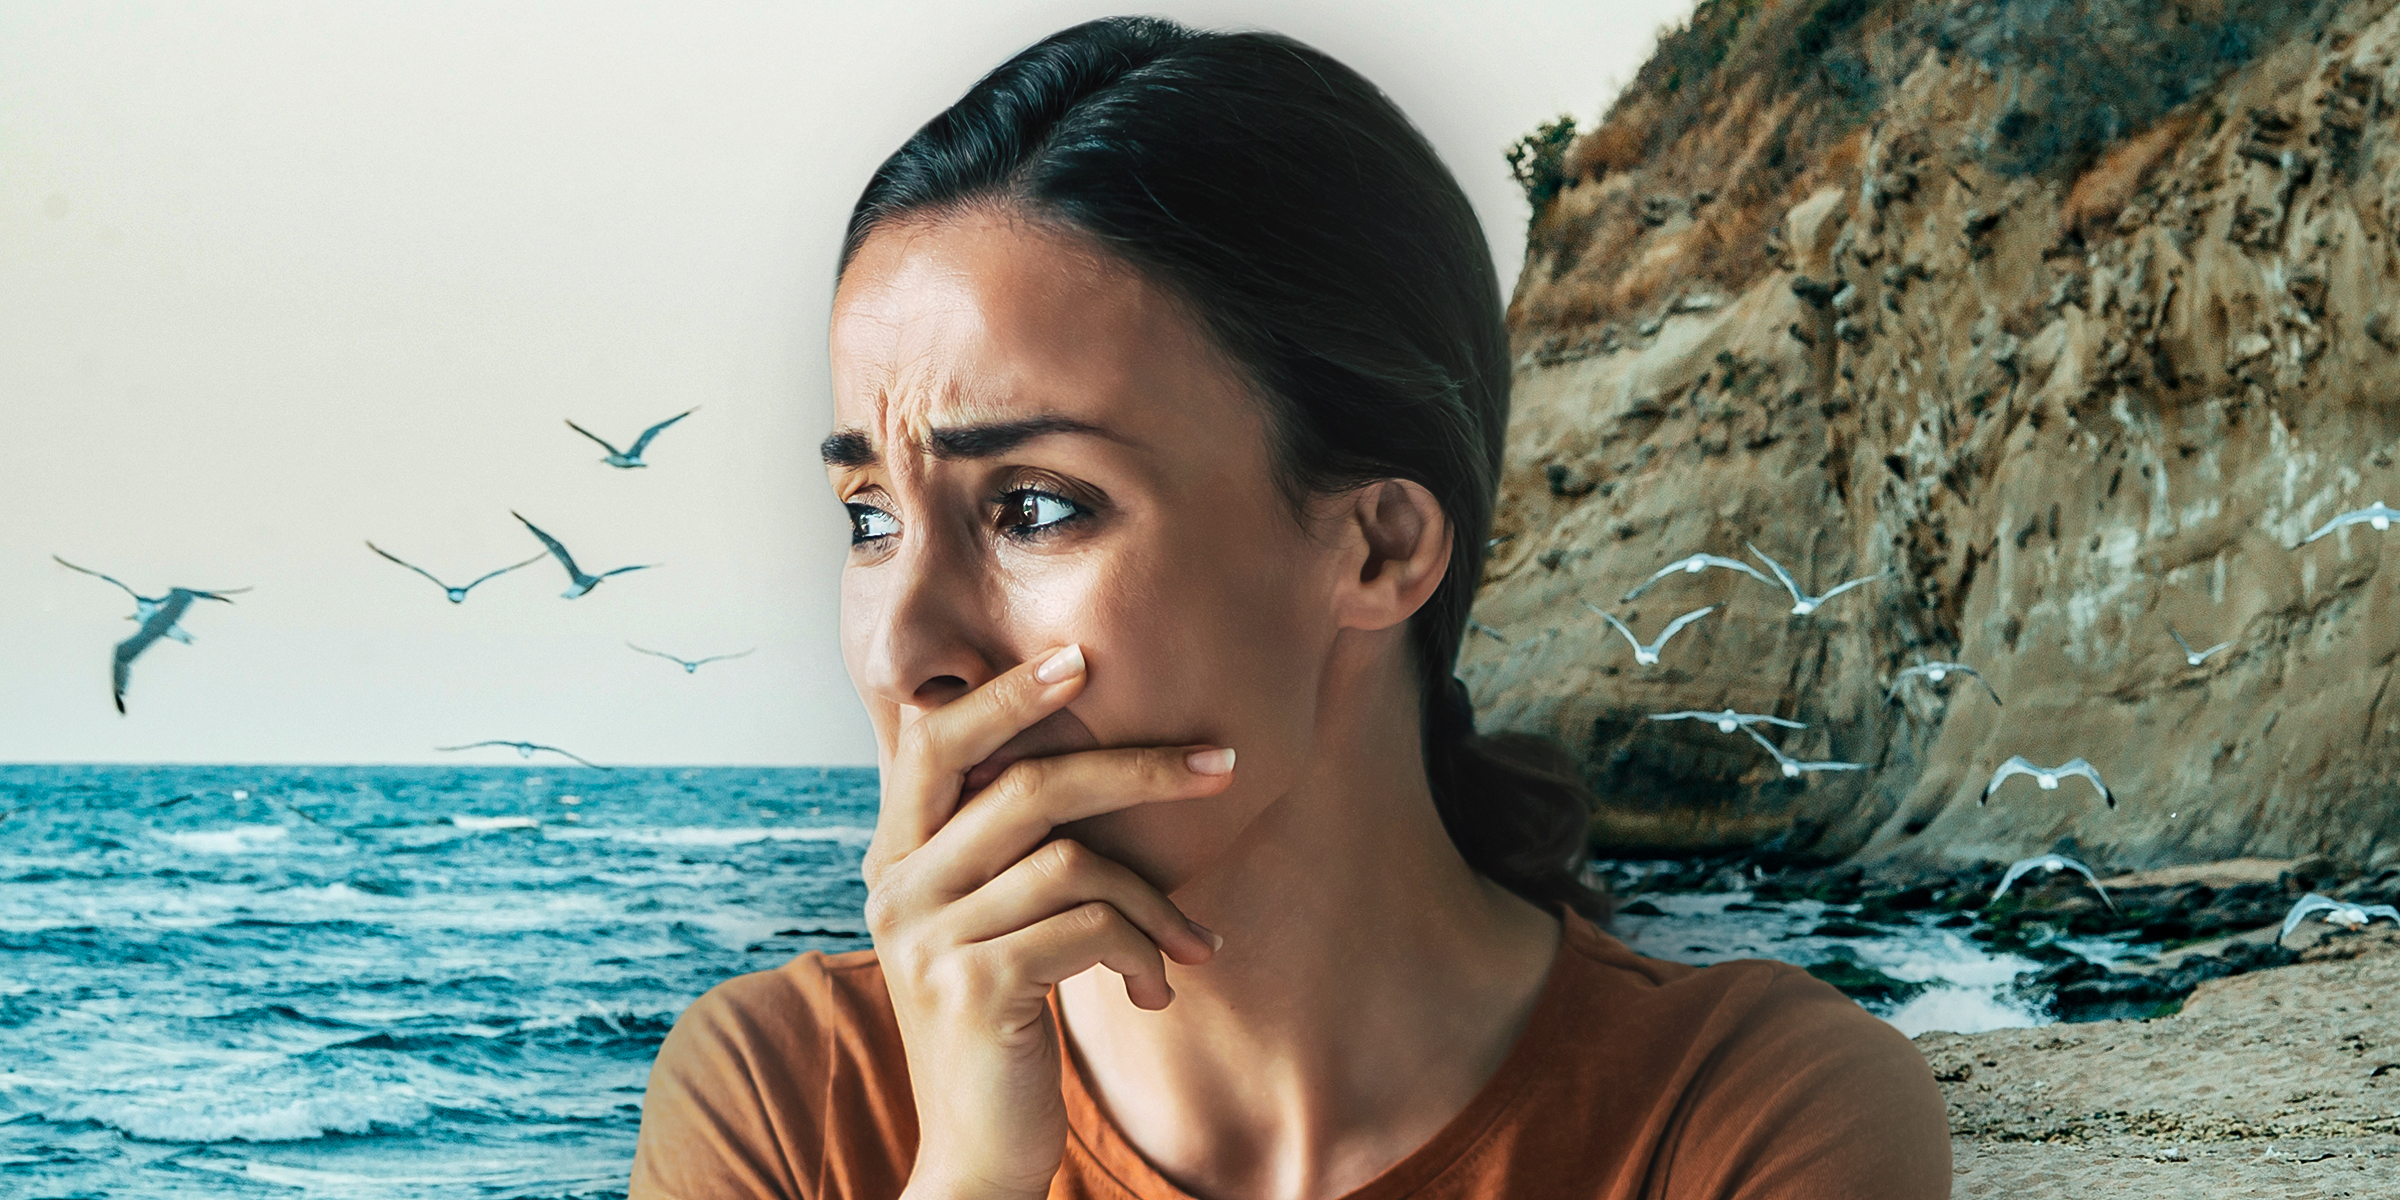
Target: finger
pixel 935 751
pixel 1086 936
pixel 1066 873
pixel 1004 822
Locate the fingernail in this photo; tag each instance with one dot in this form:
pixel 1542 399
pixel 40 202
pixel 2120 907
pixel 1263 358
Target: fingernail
pixel 1066 664
pixel 1210 762
pixel 1215 940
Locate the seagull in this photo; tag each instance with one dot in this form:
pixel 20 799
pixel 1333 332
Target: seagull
pixel 1475 626
pixel 2378 515
pixel 526 749
pixel 160 623
pixel 633 457
pixel 458 595
pixel 1648 655
pixel 1728 720
pixel 2349 916
pixel 1696 564
pixel 1934 673
pixel 579 582
pixel 2047 777
pixel 143 605
pixel 1802 603
pixel 1792 767
pixel 692 665
pixel 2191 657
pixel 2049 862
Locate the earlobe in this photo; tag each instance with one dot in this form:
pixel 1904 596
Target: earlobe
pixel 1402 541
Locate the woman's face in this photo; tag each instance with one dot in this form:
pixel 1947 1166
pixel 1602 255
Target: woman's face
pixel 1038 447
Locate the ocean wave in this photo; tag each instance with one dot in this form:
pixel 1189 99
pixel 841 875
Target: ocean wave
pixel 223 1117
pixel 241 839
pixel 711 835
pixel 478 824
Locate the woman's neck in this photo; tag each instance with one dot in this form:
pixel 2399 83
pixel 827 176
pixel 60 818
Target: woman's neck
pixel 1370 984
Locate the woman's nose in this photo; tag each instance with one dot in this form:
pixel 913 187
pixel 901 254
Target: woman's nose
pixel 931 638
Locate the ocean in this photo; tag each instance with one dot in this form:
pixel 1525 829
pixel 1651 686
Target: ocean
pixel 334 982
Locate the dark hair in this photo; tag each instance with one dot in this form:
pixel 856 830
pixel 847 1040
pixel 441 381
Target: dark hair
pixel 1333 257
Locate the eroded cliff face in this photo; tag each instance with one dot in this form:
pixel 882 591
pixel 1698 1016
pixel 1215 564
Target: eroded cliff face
pixel 2065 409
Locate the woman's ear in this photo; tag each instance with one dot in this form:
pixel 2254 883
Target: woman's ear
pixel 1399 543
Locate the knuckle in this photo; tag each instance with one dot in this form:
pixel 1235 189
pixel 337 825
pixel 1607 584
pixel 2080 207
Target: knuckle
pixel 1065 858
pixel 1092 917
pixel 1021 784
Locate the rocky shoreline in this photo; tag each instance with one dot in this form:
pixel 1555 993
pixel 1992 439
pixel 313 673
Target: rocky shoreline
pixel 2281 1082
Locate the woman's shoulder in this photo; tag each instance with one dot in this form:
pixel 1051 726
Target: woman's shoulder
pixel 767 1070
pixel 1751 1067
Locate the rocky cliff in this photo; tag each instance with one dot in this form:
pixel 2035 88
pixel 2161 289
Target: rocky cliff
pixel 2075 318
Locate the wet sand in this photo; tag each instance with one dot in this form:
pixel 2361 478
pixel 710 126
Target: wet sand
pixel 2277 1083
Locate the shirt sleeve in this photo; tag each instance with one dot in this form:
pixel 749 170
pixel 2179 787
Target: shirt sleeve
pixel 1812 1098
pixel 727 1094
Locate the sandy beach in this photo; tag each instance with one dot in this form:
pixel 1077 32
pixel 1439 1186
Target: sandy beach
pixel 2277 1083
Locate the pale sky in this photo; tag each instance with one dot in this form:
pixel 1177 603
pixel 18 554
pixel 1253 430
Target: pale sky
pixel 278 278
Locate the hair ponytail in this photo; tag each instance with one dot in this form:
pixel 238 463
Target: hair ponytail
pixel 1337 262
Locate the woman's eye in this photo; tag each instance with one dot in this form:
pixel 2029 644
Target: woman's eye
pixel 1028 511
pixel 869 523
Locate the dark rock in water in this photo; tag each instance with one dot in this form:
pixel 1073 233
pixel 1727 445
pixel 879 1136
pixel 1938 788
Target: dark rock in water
pixel 2087 991
pixel 1641 908
pixel 1861 982
pixel 1845 929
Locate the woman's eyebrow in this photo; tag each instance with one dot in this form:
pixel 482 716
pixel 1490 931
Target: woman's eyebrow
pixel 850 447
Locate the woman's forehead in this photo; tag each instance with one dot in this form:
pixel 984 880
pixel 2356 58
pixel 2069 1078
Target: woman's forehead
pixel 985 319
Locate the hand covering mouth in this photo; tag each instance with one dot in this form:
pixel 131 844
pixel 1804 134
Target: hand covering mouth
pixel 1061 732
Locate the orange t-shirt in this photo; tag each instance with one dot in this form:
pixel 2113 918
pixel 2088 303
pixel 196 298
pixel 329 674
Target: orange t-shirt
pixel 1633 1078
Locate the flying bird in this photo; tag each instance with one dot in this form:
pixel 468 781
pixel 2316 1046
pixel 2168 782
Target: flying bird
pixel 2049 862
pixel 143 605
pixel 1935 672
pixel 1475 626
pixel 632 457
pixel 692 665
pixel 2047 777
pixel 2352 917
pixel 1792 767
pixel 579 583
pixel 2191 657
pixel 1803 603
pixel 2377 516
pixel 1695 564
pixel 1648 655
pixel 458 595
pixel 1728 720
pixel 526 750
pixel 160 623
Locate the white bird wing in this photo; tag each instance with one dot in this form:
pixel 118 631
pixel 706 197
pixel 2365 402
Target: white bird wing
pixel 2016 871
pixel 556 551
pixel 1735 564
pixel 595 437
pixel 2214 649
pixel 420 570
pixel 722 657
pixel 1771 747
pixel 2016 765
pixel 478 745
pixel 622 570
pixel 502 571
pixel 97 575
pixel 2187 646
pixel 642 442
pixel 1863 579
pixel 1780 573
pixel 1678 623
pixel 1747 718
pixel 1662 573
pixel 1964 669
pixel 1620 625
pixel 655 653
pixel 2077 766
pixel 2310 903
pixel 2381 910
pixel 1832 766
pixel 569 753
pixel 1684 716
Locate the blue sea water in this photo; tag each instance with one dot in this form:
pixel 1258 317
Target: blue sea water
pixel 336 982
pixel 382 981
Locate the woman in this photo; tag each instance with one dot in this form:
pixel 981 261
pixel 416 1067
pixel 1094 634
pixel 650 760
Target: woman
pixel 1170 383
